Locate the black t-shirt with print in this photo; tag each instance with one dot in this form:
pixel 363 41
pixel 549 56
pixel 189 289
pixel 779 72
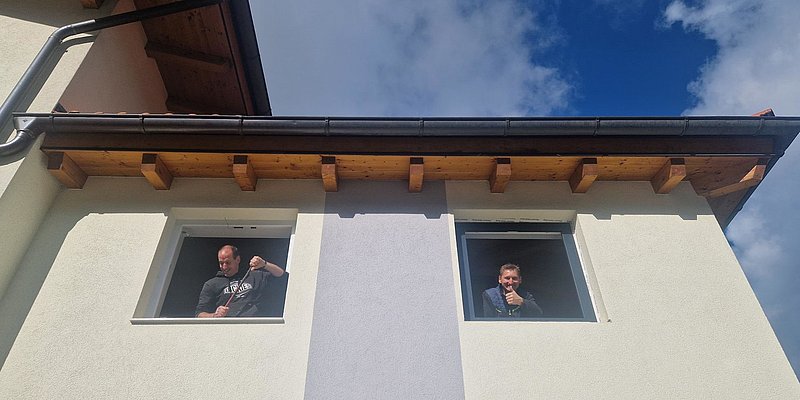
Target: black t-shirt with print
pixel 245 303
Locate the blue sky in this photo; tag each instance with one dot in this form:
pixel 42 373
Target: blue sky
pixel 567 57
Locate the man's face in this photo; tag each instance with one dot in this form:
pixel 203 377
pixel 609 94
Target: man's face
pixel 509 279
pixel 227 264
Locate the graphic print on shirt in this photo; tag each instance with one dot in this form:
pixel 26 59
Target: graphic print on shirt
pixel 233 286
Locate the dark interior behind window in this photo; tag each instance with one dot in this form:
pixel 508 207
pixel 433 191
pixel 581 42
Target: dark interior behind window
pixel 197 262
pixel 547 258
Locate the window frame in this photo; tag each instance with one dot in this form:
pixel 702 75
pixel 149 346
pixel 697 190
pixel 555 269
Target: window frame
pixel 521 230
pixel 163 267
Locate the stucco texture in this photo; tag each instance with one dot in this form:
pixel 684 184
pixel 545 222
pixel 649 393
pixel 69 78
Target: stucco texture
pixel 373 307
pixel 26 189
pixel 67 329
pixel 677 318
pixel 385 318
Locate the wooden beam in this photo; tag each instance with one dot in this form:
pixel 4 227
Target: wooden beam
pixel 500 176
pixel 65 170
pixel 244 173
pixel 238 64
pixel 752 178
pixel 156 172
pixel 186 58
pixel 416 170
pixel 92 3
pixel 584 175
pixel 669 176
pixel 329 181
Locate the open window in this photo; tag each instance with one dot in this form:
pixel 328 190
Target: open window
pixel 190 259
pixel 548 260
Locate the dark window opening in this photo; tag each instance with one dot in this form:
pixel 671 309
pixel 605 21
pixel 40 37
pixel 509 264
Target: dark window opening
pixel 548 261
pixel 197 262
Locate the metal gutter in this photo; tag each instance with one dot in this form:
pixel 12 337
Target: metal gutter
pixel 25 137
pixel 782 130
pixel 785 127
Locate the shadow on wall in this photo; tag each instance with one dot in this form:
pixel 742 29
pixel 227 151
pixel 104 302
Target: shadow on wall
pixel 26 283
pixel 386 197
pixel 604 200
pixel 128 196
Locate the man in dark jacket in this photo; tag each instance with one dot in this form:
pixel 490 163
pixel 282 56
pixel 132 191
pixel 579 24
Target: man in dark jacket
pixel 507 300
pixel 231 293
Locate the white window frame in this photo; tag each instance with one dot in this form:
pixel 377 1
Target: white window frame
pixel 273 223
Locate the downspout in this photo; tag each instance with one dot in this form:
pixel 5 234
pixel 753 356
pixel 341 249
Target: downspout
pixel 26 135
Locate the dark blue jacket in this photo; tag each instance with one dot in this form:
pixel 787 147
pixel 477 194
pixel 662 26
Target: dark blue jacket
pixel 495 306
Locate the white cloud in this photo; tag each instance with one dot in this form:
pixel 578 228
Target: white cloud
pixel 437 57
pixel 756 67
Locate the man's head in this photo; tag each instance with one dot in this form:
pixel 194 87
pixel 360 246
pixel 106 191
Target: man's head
pixel 510 277
pixel 228 257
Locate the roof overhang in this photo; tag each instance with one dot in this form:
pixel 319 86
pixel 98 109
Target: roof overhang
pixel 724 158
pixel 208 58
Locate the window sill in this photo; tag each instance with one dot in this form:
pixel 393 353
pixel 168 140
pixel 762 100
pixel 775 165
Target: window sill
pixel 206 321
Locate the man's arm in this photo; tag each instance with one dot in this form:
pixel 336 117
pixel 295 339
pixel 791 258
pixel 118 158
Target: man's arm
pixel 206 302
pixel 219 313
pixel 529 306
pixel 258 262
pixel 525 301
pixel 489 309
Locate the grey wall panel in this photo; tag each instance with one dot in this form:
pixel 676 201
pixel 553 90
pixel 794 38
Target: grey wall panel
pixel 385 316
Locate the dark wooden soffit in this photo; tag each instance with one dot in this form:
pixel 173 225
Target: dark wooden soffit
pixel 200 60
pixel 95 4
pixel 587 146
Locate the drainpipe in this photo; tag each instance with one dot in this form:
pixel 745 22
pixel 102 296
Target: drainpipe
pixel 25 136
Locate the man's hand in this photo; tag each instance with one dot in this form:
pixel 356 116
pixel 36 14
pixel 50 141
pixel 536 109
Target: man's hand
pixel 257 262
pixel 513 298
pixel 221 312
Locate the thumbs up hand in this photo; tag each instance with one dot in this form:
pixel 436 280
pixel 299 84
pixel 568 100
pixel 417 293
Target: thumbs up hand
pixel 512 297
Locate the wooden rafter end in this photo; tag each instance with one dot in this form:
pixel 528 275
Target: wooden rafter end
pixel 156 172
pixel 501 175
pixel 669 176
pixel 244 173
pixel 584 175
pixel 416 172
pixel 752 178
pixel 329 179
pixel 65 170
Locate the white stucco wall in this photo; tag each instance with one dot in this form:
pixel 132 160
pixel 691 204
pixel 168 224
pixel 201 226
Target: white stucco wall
pixel 26 189
pixel 117 76
pixel 677 318
pixel 109 73
pixel 80 284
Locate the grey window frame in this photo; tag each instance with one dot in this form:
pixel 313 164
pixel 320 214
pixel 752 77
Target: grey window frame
pixel 521 230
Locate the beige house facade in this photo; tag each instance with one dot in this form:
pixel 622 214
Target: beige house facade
pixel 389 229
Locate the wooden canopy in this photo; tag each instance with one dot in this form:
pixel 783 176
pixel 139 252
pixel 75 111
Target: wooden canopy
pixel 721 167
pixel 208 59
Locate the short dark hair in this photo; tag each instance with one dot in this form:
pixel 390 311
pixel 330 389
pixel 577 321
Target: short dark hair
pixel 510 267
pixel 234 250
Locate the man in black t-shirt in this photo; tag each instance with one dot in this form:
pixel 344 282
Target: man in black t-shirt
pixel 232 294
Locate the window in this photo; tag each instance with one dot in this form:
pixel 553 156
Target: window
pixel 548 260
pixel 190 259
